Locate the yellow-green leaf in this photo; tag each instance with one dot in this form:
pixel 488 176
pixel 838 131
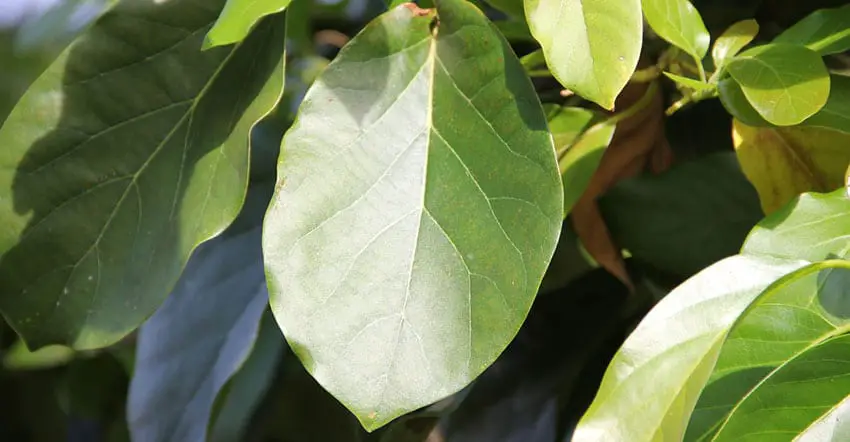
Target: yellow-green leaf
pixel 785 83
pixel 591 46
pixel 783 162
pixel 732 41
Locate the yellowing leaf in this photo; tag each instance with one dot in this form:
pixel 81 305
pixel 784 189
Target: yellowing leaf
pixel 783 162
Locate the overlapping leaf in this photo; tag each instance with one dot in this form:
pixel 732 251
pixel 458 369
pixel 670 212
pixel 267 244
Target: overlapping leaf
pixel 835 114
pixel 591 46
pixel 826 31
pixel 784 162
pixel 813 227
pixel 654 381
pixel 785 83
pixel 678 22
pixel 784 364
pixel 417 209
pixel 120 160
pixel 732 41
pixel 238 18
pixel 201 336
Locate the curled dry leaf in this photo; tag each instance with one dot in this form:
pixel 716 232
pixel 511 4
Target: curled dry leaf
pixel 639 143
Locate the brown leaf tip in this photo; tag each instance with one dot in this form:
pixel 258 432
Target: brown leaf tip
pixel 416 10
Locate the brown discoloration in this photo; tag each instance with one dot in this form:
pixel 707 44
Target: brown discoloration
pixel 639 143
pixel 416 10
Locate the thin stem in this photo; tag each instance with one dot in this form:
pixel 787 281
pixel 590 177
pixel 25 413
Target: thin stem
pixel 701 70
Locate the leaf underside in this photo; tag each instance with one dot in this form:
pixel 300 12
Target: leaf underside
pixel 418 206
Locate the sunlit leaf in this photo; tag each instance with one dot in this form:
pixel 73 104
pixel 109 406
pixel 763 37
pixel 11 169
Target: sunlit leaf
pixel 825 31
pixel 813 227
pixel 835 114
pixel 732 41
pixel 654 381
pixel 690 83
pixel 418 206
pixel 119 161
pixel 591 46
pixel 784 364
pixel 785 83
pixel 678 22
pixel 238 18
pixel 783 162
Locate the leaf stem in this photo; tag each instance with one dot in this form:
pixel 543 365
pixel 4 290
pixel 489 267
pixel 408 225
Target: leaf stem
pixel 701 70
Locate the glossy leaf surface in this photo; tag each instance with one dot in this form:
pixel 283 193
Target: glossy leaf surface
pixel 238 18
pixel 785 83
pixel 678 22
pixel 813 227
pixel 689 82
pixel 119 161
pixel 200 337
pixel 653 382
pixel 732 41
pixel 784 364
pixel 783 162
pixel 835 114
pixel 591 46
pixel 826 31
pixel 418 206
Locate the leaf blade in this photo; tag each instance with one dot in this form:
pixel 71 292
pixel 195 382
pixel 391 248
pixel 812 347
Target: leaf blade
pixel 238 18
pixel 733 39
pixel 591 46
pixel 826 31
pixel 678 22
pixel 785 83
pixel 94 249
pixel 435 266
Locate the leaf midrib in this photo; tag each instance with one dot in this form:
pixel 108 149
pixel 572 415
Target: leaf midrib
pixel 134 177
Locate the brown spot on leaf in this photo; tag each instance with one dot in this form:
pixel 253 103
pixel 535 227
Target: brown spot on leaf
pixel 416 10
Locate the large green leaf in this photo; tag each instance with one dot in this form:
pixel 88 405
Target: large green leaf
pixel 826 31
pixel 203 333
pixel 784 364
pixel 417 208
pixel 237 19
pixel 685 219
pixel 835 114
pixel 591 46
pixel 653 382
pixel 812 227
pixel 678 22
pixel 732 41
pixel 119 161
pixel 785 83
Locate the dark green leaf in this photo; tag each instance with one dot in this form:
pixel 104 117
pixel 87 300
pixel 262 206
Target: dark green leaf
pixel 119 161
pixel 784 364
pixel 678 22
pixel 653 382
pixel 591 46
pixel 238 18
pixel 826 31
pixel 685 219
pixel 514 8
pixel 235 406
pixel 733 39
pixel 418 206
pixel 812 227
pixel 200 337
pixel 785 83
